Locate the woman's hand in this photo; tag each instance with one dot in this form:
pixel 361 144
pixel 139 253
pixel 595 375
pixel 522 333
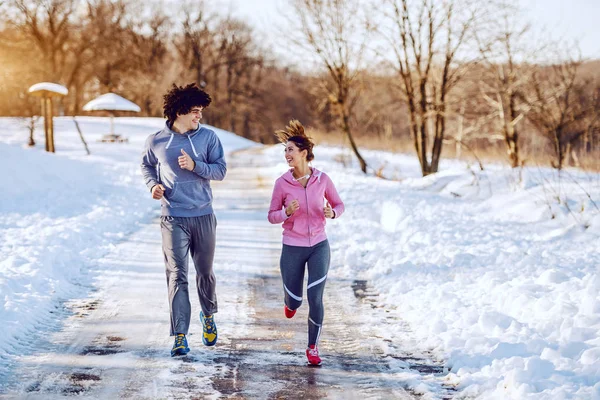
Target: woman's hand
pixel 328 211
pixel 294 205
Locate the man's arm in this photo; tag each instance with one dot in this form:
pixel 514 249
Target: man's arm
pixel 216 168
pixel 149 162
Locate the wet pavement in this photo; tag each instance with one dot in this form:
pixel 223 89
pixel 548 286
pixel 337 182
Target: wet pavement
pixel 268 361
pixel 115 343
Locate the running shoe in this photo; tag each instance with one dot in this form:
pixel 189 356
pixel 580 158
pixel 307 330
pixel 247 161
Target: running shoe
pixel 209 336
pixel 288 313
pixel 180 347
pixel 312 354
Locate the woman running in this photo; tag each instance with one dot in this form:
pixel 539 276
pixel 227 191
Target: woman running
pixel 302 199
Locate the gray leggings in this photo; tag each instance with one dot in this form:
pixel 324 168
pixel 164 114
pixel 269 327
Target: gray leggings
pixel 292 264
pixel 182 236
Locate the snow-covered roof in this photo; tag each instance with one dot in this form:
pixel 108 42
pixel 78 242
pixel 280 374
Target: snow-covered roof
pixel 111 102
pixel 54 88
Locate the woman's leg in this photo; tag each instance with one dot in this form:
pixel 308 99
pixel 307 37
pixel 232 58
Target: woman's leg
pixel 318 266
pixel 292 263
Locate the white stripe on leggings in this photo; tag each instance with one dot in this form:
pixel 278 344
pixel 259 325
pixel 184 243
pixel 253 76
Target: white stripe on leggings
pixel 292 295
pixel 315 283
pixel 318 333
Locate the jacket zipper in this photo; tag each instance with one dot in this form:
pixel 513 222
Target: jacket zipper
pixel 307 213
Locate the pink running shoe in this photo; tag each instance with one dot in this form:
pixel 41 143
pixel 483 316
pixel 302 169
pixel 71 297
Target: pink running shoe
pixel 312 354
pixel 288 313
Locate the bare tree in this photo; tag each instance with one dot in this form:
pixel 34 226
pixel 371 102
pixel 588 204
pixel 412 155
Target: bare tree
pixel 19 71
pixel 242 68
pixel 48 25
pixel 426 37
pixel 334 31
pixel 213 49
pixel 507 58
pixel 149 37
pixel 196 44
pixel 560 107
pixel 473 122
pixel 116 47
pixel 282 95
pixel 222 54
pixel 591 137
pixel 111 25
pixel 81 53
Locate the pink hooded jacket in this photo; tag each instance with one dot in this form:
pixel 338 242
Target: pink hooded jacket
pixel 305 227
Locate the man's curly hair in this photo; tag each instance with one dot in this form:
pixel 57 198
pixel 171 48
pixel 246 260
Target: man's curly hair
pixel 181 99
pixel 294 132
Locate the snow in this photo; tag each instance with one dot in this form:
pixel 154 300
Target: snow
pixel 62 213
pixel 495 272
pixel 49 87
pixel 112 102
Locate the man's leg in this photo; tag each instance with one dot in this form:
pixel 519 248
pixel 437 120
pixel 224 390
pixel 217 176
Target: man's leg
pixel 291 264
pixel 318 266
pixel 176 244
pixel 203 241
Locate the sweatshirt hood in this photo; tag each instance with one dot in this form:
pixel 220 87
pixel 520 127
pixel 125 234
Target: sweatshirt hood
pixel 189 135
pixel 289 177
pixel 168 129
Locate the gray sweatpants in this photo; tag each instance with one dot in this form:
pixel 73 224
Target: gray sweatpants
pixel 292 264
pixel 182 236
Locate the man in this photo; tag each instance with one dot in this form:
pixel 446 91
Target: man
pixel 178 164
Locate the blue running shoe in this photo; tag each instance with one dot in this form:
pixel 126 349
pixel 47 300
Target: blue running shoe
pixel 209 336
pixel 180 347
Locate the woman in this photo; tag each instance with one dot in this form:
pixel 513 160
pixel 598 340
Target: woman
pixel 298 201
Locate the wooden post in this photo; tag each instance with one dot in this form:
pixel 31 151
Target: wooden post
pixel 50 115
pixel 45 116
pixel 47 90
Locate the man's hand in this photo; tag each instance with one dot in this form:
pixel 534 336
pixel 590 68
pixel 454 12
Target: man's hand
pixel 328 211
pixel 158 191
pixel 185 161
pixel 294 205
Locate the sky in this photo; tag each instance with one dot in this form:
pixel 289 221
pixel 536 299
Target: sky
pixel 573 20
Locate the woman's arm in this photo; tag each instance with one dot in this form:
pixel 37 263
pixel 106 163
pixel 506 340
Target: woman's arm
pixel 334 199
pixel 276 211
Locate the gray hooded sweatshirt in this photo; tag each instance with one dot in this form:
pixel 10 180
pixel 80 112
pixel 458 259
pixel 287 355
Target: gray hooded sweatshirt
pixel 188 193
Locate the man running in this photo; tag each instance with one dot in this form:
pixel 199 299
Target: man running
pixel 178 164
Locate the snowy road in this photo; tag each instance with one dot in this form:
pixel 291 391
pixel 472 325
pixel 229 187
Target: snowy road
pixel 115 343
pixel 466 283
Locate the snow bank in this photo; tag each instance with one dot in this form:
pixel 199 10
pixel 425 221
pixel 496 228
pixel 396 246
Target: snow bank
pixel 496 273
pixel 63 212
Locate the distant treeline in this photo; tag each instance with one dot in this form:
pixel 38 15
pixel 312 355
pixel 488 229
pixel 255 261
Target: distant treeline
pixel 465 78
